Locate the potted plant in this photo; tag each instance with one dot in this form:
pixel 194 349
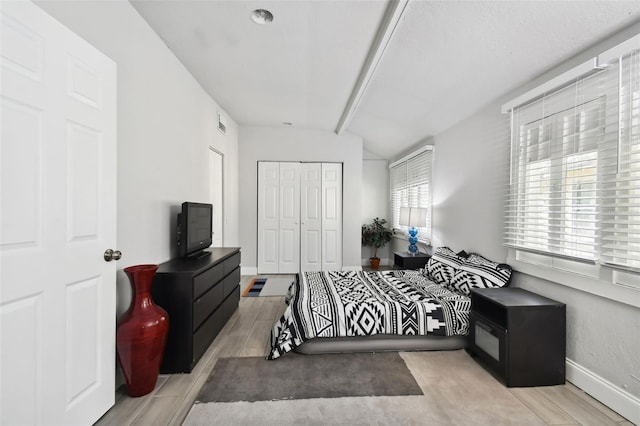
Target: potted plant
pixel 377 235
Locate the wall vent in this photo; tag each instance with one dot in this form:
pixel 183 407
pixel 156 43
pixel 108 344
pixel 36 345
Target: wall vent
pixel 222 124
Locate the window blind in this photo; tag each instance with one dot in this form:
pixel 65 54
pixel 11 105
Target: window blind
pixel 621 186
pixel 574 189
pixel 410 186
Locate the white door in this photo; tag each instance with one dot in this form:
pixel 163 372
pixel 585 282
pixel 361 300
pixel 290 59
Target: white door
pixel 289 223
pixel 331 217
pixel 216 195
pixel 311 217
pixel 58 207
pixel 268 216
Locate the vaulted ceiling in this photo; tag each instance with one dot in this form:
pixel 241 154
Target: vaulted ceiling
pixel 393 72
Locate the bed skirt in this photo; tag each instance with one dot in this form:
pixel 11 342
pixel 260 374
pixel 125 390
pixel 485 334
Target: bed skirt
pixel 381 343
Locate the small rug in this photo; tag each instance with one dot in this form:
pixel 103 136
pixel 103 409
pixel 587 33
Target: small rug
pixel 254 288
pixel 276 285
pixel 296 376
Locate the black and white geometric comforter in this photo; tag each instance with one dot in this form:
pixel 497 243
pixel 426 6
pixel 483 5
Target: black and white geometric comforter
pixel 361 303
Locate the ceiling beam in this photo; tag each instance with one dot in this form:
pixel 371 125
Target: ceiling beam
pixel 392 17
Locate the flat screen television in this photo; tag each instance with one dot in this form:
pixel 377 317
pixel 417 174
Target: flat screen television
pixel 194 229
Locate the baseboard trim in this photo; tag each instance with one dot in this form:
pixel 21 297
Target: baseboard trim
pixel 248 270
pixel 612 396
pixel 352 268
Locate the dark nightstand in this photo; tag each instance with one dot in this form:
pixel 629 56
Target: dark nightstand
pixel 519 335
pixel 405 260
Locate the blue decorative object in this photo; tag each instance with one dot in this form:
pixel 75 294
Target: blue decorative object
pixel 413 217
pixel 413 240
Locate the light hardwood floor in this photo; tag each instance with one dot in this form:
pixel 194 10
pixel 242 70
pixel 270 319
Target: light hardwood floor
pixel 247 334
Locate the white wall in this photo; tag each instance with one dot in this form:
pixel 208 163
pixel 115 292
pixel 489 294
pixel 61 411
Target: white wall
pixel 292 144
pixel 470 174
pixel 166 122
pixel 375 201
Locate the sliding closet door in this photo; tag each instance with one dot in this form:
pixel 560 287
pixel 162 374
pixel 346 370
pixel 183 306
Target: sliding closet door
pixel 331 217
pixel 289 236
pixel 311 217
pixel 268 216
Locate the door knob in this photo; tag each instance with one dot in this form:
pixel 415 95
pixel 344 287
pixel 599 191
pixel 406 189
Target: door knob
pixel 110 255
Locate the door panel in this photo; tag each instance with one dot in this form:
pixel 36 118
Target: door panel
pixel 331 216
pixel 288 250
pixel 268 216
pixel 289 223
pixel 311 217
pixel 83 180
pixel 58 154
pixel 269 248
pixel 22 162
pixel 311 250
pixel 330 242
pixel 83 372
pixel 24 362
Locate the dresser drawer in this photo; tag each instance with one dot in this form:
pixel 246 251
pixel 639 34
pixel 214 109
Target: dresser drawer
pixel 231 263
pixel 231 281
pixel 230 304
pixel 206 333
pixel 207 303
pixel 207 279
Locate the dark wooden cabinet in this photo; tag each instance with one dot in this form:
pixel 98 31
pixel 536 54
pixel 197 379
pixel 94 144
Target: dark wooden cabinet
pixel 519 335
pixel 405 260
pixel 200 295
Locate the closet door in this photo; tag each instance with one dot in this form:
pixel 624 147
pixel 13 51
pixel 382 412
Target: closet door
pixel 331 217
pixel 311 217
pixel 268 217
pixel 289 220
pixel 299 217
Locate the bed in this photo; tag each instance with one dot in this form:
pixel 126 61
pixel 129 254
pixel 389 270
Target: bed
pixel 346 311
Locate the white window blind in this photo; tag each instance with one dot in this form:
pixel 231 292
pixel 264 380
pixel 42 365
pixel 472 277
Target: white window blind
pixel 621 187
pixel 410 185
pixel 574 190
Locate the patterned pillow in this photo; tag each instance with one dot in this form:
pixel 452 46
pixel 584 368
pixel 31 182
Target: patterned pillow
pixel 479 272
pixel 442 265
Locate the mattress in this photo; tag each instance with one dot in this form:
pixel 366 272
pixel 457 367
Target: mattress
pixel 380 343
pixel 353 304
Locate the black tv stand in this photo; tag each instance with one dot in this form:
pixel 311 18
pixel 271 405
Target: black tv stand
pixel 198 255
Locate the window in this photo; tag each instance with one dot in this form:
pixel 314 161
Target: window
pixel 574 190
pixel 621 190
pixel 410 183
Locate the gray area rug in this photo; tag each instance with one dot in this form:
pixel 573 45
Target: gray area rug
pixel 457 391
pixel 296 376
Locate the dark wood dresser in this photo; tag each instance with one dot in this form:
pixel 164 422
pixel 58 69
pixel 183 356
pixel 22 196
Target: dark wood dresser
pixel 200 295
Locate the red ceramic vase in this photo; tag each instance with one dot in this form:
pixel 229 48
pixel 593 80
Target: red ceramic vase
pixel 141 334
